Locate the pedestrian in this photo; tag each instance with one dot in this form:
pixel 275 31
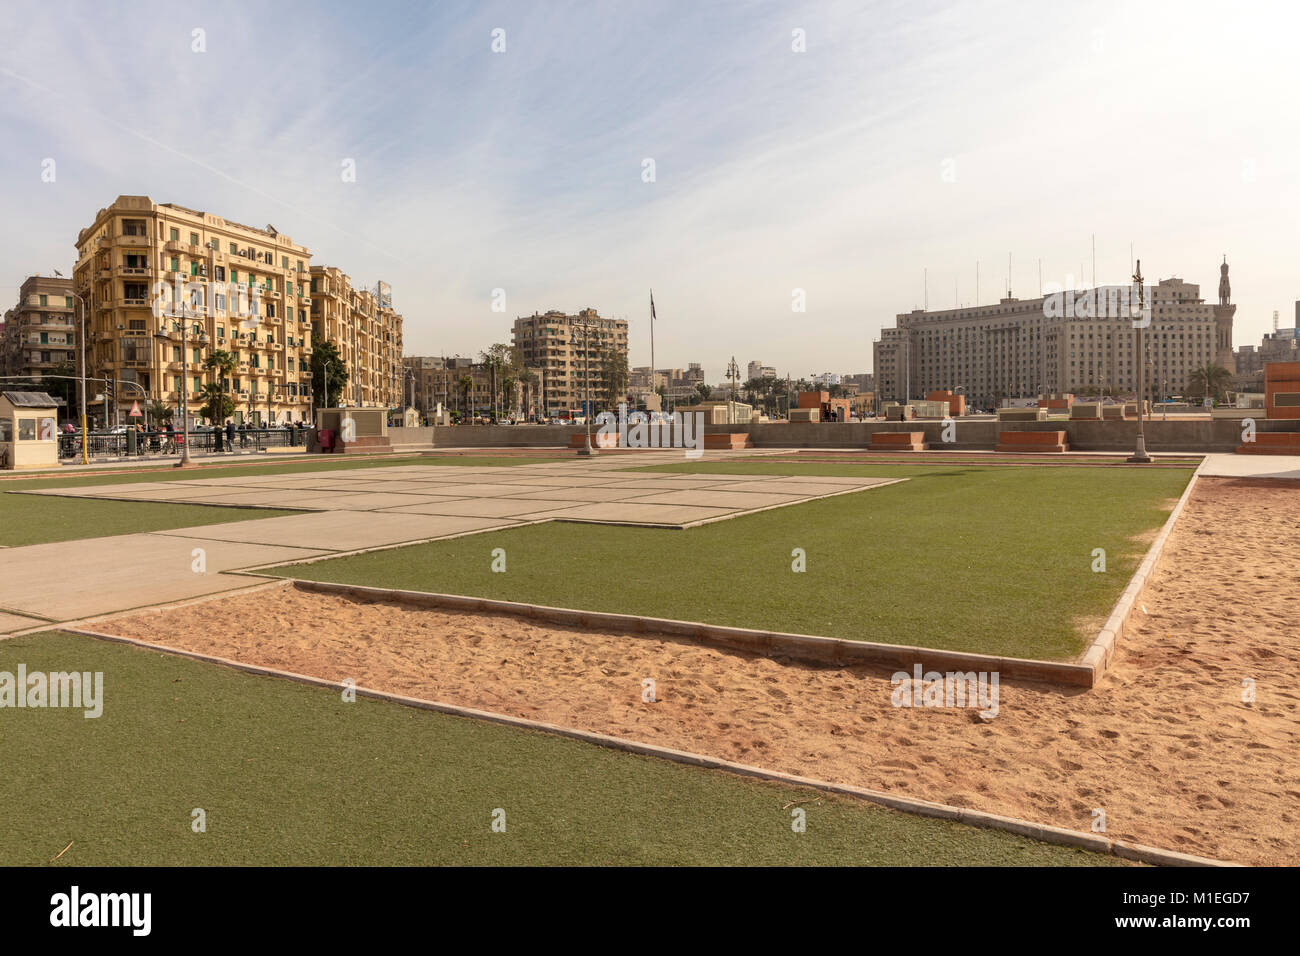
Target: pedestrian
pixel 230 434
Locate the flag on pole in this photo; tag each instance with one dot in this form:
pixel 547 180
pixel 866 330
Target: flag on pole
pixel 652 305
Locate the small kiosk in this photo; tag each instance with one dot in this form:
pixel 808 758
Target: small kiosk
pixel 29 434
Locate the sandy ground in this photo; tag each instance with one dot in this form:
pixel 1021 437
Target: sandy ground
pixel 1164 746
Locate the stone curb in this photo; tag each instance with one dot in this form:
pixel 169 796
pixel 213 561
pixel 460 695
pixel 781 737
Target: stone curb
pixel 800 647
pixel 1042 832
pixel 1099 654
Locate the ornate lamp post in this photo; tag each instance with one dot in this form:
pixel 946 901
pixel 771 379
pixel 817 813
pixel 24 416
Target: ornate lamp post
pixel 586 451
pixel 1139 456
pixel 202 338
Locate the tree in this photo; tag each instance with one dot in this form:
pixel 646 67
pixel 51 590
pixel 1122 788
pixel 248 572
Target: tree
pixel 614 376
pixel 222 364
pixel 329 375
pixel 217 405
pixel 530 381
pixel 466 386
pixel 160 413
pixel 1209 381
pixel 704 391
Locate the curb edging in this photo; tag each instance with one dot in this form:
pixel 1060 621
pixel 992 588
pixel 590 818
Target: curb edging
pixel 1042 832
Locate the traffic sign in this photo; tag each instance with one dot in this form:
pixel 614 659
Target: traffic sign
pixel 135 410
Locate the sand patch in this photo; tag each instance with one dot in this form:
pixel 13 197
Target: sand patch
pixel 1164 745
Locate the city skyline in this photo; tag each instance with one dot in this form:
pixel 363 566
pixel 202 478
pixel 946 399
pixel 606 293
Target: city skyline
pixel 887 150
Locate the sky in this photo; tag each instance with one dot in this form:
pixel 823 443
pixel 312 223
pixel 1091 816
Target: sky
pixel 844 149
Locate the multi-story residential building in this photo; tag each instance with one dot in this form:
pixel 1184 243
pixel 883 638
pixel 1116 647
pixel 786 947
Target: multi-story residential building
pixel 143 266
pixel 1025 348
pixel 757 369
pixel 367 334
pixel 570 352
pixel 40 332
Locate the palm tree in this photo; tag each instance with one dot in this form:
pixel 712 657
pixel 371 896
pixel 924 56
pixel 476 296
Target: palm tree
pixel 1210 381
pixel 466 386
pixel 159 412
pixel 529 380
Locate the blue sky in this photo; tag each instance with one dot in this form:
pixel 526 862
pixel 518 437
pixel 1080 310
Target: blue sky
pixel 908 136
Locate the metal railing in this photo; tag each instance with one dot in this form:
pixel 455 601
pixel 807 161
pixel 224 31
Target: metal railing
pixel 106 445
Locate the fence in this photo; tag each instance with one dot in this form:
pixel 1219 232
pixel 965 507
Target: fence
pixel 155 444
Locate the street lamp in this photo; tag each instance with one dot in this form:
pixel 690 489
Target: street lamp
pixel 586 451
pixel 85 451
pixel 202 338
pixel 1139 456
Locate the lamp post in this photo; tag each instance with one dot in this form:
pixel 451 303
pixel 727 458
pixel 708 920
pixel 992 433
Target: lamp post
pixel 85 451
pixel 202 338
pixel 586 451
pixel 1139 456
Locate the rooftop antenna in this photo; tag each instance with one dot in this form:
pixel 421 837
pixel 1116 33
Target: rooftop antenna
pixel 1040 276
pixel 1008 275
pixel 977 283
pixel 1094 260
pixel 926 299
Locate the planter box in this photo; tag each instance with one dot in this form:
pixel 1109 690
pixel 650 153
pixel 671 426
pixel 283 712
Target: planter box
pixel 728 440
pixel 1033 441
pixel 1271 443
pixel 607 440
pixel 898 441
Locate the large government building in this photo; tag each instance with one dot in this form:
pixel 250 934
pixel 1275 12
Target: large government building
pixel 140 263
pixel 1025 348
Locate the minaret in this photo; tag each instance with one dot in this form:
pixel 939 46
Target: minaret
pixel 1223 313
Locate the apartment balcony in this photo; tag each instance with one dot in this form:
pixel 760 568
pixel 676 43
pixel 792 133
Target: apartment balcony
pixel 125 240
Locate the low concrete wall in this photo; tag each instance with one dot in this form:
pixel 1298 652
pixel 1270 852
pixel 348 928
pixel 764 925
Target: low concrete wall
pixel 422 435
pixel 1111 436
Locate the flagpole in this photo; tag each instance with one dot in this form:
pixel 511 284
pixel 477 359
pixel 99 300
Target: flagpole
pixel 653 390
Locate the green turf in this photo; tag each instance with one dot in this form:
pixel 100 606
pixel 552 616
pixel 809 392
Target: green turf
pixel 990 560
pixel 289 774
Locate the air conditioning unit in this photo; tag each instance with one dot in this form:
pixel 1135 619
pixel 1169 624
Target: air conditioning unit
pixel 120 326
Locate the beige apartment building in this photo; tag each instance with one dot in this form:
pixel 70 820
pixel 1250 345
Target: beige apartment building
pixel 143 267
pixel 569 351
pixel 367 334
pixel 1025 348
pixel 40 332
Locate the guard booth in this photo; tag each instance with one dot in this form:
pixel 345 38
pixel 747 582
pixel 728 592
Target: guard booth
pixel 352 430
pixel 29 434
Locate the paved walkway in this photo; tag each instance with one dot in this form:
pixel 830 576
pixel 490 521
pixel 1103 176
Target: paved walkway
pixel 358 509
pixel 1251 466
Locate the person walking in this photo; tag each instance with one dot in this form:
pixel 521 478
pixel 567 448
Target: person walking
pixel 230 434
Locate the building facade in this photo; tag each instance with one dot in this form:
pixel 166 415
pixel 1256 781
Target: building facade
pixel 569 353
pixel 367 333
pixel 40 333
pixel 145 268
pixel 1025 348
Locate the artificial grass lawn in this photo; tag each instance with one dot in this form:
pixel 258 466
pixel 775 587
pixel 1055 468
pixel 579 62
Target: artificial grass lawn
pixel 989 560
pixel 39 519
pixel 289 774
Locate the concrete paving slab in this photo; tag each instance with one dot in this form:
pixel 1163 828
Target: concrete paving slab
pixel 124 571
pixel 707 497
pixel 478 507
pixel 805 489
pixel 341 530
pixel 1251 466
pixel 630 512
pixel 559 494
pixel 484 490
pixel 16 622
